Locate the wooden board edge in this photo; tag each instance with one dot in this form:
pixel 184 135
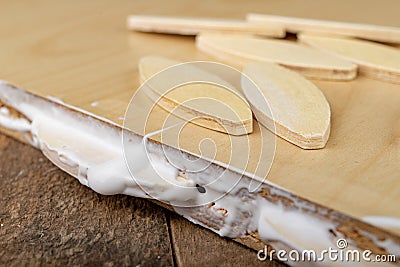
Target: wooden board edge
pixel 363 235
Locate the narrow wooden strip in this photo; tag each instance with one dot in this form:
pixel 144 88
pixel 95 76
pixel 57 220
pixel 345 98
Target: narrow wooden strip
pixel 193 245
pixel 297 25
pixel 374 60
pixel 307 61
pixel 299 112
pixel 193 26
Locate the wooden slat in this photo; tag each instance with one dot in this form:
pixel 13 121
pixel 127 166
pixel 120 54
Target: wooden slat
pixel 193 26
pixel 298 25
pixel 194 246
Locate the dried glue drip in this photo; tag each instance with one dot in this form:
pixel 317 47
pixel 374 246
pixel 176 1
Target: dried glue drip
pixel 294 229
pixel 4 111
pixel 15 124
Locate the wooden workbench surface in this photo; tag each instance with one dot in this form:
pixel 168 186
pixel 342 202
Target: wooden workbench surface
pixel 48 218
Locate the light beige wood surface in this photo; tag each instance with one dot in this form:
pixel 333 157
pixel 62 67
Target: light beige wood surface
pixel 217 106
pixel 374 60
pixel 298 108
pixel 193 26
pixel 299 25
pixel 311 63
pixel 83 53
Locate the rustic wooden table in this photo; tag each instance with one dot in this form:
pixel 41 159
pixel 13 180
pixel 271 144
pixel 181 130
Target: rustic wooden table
pixel 48 218
pixel 81 52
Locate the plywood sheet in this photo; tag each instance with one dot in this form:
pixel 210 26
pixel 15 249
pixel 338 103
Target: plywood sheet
pixel 83 54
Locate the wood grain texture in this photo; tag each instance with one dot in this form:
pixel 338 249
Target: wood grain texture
pixel 299 25
pixel 83 53
pixel 193 26
pixel 240 50
pixel 374 60
pixel 49 219
pixel 189 236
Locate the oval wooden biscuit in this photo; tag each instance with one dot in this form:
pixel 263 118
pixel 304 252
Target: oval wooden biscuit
pixel 300 111
pixel 215 106
pixel 374 60
pixel 307 61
